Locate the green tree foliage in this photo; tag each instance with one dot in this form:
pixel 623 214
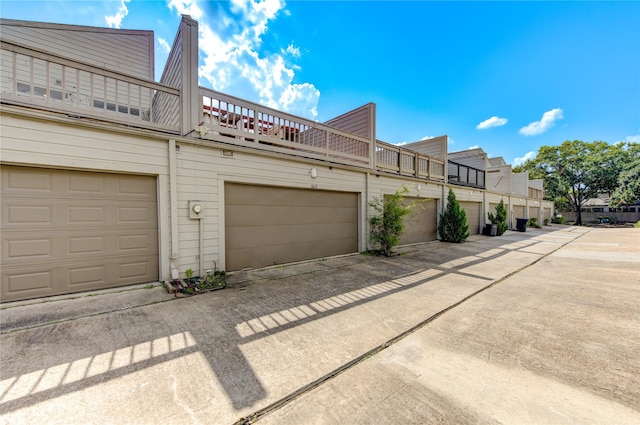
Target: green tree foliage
pixel 627 192
pixel 453 225
pixel 387 225
pixel 576 171
pixel 500 218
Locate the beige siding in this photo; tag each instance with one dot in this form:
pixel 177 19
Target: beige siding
pixel 519 184
pixel 475 158
pixel 498 179
pixel 436 147
pixel 202 174
pixel 126 51
pixel 360 121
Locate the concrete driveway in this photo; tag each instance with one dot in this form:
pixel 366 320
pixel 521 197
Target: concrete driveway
pixel 535 327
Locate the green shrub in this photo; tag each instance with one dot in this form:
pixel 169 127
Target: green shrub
pixel 500 219
pixel 637 225
pixel 387 225
pixel 533 222
pixel 558 219
pixel 453 225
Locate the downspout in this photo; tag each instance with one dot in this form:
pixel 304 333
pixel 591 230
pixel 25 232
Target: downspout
pixel 173 208
pixel 366 212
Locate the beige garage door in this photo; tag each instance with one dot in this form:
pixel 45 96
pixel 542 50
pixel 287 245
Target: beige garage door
pixel 533 212
pixel 547 213
pixel 473 216
pixel 422 227
pixel 72 231
pixel 267 225
pixel 518 212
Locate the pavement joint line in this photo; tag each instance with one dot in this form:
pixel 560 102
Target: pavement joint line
pixel 69 319
pixel 255 416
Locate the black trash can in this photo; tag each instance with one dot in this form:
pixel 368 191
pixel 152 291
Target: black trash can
pixel 490 230
pixel 521 224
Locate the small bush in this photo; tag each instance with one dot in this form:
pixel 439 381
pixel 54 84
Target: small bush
pixel 500 219
pixel 453 226
pixel 533 222
pixel 558 219
pixel 387 225
pixel 637 225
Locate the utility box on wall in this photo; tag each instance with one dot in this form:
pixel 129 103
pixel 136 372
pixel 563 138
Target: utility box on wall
pixel 196 210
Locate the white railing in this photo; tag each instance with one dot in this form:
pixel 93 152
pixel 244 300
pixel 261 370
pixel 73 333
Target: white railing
pixel 34 78
pixel 398 160
pixel 251 124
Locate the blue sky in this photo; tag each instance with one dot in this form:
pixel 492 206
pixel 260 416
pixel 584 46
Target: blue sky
pixel 508 77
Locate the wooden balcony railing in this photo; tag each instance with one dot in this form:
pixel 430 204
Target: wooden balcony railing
pixel 536 193
pixel 464 175
pixel 406 162
pixel 251 124
pixel 33 78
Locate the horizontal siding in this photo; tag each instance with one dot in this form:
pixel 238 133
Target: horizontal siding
pixel 499 181
pixel 127 53
pixel 470 161
pixel 436 147
pixel 357 121
pixel 48 144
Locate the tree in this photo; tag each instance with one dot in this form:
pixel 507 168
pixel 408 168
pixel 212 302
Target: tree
pixel 500 218
pixel 453 225
pixel 577 171
pixel 627 192
pixel 387 225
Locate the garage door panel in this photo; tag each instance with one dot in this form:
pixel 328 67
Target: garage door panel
pixel 277 215
pixel 66 231
pixel 278 254
pixel 273 196
pixel 268 236
pixel 422 227
pixel 273 225
pixel 518 212
pixel 473 216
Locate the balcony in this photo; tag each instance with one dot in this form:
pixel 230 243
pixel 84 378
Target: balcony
pixel 45 81
pixel 406 162
pixel 535 193
pixel 463 175
pixel 250 124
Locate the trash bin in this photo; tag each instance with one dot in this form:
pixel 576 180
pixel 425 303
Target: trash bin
pixel 490 229
pixel 521 224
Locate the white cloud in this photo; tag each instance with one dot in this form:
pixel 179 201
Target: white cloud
pixel 232 58
pixel 163 43
pixel 186 7
pixel 522 160
pixel 474 147
pixel 400 143
pixel 292 50
pixel 491 122
pixel 635 139
pixel 539 127
pixel 116 20
pixel 427 137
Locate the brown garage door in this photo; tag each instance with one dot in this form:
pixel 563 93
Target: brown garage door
pixel 518 212
pixel 267 225
pixel 473 216
pixel 422 227
pixel 72 231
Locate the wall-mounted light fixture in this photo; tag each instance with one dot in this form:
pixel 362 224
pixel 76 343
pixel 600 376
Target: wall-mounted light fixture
pixel 202 130
pixel 313 172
